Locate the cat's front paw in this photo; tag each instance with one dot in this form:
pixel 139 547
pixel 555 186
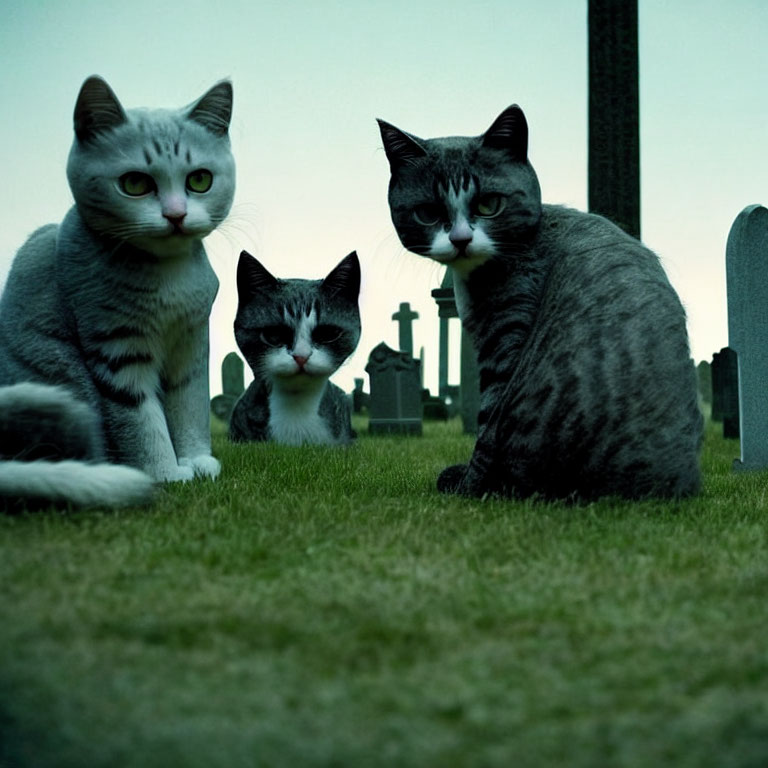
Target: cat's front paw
pixel 450 480
pixel 175 474
pixel 203 465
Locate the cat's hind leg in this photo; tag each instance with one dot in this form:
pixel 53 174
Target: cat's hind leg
pixel 476 478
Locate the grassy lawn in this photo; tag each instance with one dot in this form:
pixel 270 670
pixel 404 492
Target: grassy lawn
pixel 328 608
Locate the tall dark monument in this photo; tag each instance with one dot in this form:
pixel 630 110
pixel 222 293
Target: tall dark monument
pixel 614 113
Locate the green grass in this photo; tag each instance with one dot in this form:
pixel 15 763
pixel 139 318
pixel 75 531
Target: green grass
pixel 328 608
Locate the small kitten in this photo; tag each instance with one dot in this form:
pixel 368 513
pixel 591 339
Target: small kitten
pixel 586 383
pixel 104 318
pixel 295 334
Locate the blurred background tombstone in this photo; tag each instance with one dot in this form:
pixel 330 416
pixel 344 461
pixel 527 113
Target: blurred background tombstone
pixel 725 391
pixel 746 262
pixel 704 374
pixel 435 408
pixel 359 397
pixel 233 385
pixel 395 392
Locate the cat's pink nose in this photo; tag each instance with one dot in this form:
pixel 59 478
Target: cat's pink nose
pixel 460 235
pixel 176 220
pixel 301 361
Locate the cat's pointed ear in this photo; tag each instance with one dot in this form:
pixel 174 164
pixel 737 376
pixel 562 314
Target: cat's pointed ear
pixel 509 132
pixel 344 278
pixel 97 109
pixel 214 109
pixel 401 148
pixel 252 277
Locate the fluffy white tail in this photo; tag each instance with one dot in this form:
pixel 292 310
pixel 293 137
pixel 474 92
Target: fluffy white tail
pixel 33 415
pixel 75 482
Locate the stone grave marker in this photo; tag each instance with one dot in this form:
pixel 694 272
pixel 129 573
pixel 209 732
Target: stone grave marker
pixel 725 391
pixel 359 397
pixel 233 385
pixel 395 392
pixel 715 371
pixel 405 317
pixel 704 375
pixel 434 408
pixel 746 262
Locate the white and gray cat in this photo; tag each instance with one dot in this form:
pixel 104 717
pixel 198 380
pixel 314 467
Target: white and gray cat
pixel 104 318
pixel 586 383
pixel 295 334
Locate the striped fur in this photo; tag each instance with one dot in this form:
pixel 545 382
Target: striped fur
pixel 586 383
pixel 109 310
pixel 295 334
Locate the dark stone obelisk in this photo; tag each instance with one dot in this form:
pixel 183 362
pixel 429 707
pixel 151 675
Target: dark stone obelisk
pixel 614 113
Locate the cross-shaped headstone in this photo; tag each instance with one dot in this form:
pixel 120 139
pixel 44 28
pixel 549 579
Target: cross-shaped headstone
pixel 405 318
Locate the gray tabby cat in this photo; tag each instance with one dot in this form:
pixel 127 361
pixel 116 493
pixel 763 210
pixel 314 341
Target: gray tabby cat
pixel 104 318
pixel 586 383
pixel 295 334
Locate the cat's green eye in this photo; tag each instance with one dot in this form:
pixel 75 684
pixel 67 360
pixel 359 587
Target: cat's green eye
pixel 427 214
pixel 137 184
pixel 489 206
pixel 277 336
pixel 200 180
pixel 326 334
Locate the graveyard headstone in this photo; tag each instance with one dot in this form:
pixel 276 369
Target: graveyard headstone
pixel 395 392
pixel 435 408
pixel 746 260
pixel 405 317
pixel 359 397
pixel 717 388
pixel 233 385
pixel 725 391
pixel 453 398
pixel 704 374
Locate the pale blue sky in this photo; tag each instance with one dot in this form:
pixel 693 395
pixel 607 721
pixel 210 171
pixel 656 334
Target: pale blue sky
pixel 311 77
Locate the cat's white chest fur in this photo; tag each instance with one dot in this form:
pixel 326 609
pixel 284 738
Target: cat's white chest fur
pixel 294 417
pixel 460 293
pixel 185 290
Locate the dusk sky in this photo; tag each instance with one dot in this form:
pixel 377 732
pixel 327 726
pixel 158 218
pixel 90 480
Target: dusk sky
pixel 310 77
